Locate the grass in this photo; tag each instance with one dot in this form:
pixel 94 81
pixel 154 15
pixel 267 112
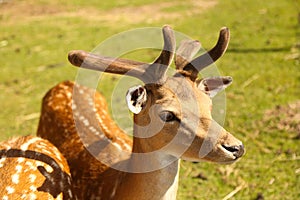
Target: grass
pixel 33 48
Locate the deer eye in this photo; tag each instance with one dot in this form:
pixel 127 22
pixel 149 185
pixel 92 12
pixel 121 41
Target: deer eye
pixel 168 116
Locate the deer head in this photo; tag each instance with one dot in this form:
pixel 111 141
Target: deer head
pixel 172 115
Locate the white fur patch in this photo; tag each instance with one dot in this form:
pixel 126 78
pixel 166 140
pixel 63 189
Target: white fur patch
pixel 15 178
pixel 10 190
pixel 136 97
pixel 25 146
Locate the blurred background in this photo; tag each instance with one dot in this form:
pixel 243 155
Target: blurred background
pixel 263 58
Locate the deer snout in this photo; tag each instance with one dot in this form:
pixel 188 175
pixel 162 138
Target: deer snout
pixel 237 150
pixel 231 147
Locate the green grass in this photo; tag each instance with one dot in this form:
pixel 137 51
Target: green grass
pixel 33 59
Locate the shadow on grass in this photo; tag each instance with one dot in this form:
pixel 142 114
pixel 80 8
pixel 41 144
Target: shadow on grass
pixel 259 50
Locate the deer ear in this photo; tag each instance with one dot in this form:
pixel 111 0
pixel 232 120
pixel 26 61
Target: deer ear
pixel 213 85
pixel 136 98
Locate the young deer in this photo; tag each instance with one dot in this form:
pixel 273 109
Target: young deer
pixel 172 121
pixel 33 168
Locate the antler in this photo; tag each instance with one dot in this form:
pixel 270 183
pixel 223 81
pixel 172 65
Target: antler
pixel 148 73
pixel 185 53
pixel 199 63
pixel 155 72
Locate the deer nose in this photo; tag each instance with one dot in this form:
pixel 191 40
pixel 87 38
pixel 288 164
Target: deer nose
pixel 238 151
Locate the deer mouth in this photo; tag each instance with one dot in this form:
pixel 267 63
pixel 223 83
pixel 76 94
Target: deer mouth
pixel 234 151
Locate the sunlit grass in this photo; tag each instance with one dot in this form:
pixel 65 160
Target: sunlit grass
pixel 33 59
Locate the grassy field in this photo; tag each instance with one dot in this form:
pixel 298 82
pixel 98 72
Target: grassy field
pixel 263 58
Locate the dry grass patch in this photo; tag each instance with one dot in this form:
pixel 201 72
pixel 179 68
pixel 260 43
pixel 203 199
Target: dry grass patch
pixel 284 118
pixel 21 10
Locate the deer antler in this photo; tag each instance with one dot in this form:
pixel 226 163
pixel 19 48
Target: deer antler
pixel 155 72
pixel 199 63
pixel 185 53
pixel 148 73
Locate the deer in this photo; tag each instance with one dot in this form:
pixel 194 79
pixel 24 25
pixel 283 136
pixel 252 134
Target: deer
pixel 33 168
pixel 172 121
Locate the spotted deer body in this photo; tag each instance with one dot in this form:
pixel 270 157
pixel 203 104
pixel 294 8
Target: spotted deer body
pixel 61 116
pixel 33 168
pixel 172 121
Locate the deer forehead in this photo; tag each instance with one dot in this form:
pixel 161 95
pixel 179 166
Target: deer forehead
pixel 181 96
pixel 185 89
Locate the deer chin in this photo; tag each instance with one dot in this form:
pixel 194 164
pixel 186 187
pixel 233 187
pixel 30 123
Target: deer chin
pixel 196 160
pixel 221 154
pixel 222 161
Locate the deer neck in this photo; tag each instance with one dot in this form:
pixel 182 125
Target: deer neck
pixel 160 183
